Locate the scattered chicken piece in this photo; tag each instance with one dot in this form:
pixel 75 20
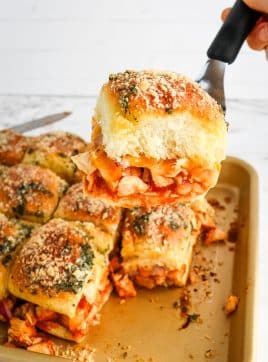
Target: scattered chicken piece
pixel 45 347
pixel 9 345
pixel 192 278
pixel 124 286
pixel 214 235
pixel 22 333
pixel 26 312
pixel 231 304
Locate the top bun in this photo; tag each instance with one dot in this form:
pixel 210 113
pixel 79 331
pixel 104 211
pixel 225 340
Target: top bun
pixel 160 115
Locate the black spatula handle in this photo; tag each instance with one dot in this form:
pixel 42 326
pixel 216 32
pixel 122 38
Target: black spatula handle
pixel 233 33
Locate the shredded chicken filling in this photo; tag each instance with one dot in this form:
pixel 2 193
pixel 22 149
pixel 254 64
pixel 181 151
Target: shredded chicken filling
pixel 159 275
pixel 27 317
pixel 142 175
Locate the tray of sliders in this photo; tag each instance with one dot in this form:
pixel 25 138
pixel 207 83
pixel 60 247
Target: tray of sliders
pixel 139 246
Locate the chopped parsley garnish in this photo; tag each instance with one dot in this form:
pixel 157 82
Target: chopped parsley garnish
pixel 113 77
pixel 33 186
pixel 124 98
pixel 193 317
pixel 192 225
pixel 173 225
pixel 66 248
pixel 86 256
pixel 139 224
pixel 169 110
pixel 75 274
pixel 22 191
pixel 70 284
pixel 19 209
pixel 6 259
pixel 9 243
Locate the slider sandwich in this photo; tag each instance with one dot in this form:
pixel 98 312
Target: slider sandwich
pixel 30 192
pixel 13 146
pixel 157 138
pixel 157 245
pixel 12 234
pixel 61 272
pixel 76 206
pixel 54 150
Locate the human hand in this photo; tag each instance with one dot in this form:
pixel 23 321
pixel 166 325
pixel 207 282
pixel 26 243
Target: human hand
pixel 258 38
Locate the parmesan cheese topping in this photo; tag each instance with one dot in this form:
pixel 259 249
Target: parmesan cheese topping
pixel 159 223
pixel 154 90
pixel 29 190
pixel 12 233
pixel 75 200
pixel 58 257
pixel 62 143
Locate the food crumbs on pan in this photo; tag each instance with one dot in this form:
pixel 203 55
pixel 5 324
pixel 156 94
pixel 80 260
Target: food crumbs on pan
pixel 216 204
pixel 83 353
pixel 176 304
pixel 233 232
pixel 210 353
pixel 190 356
pixel 231 304
pixel 227 199
pixel 232 248
pixel 248 285
pixel 192 278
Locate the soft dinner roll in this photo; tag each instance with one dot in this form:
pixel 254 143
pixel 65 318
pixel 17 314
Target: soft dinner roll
pixel 157 138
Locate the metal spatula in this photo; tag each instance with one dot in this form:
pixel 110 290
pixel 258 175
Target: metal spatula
pixel 225 48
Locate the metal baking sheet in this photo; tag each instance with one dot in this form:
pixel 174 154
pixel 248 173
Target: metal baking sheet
pixel 150 327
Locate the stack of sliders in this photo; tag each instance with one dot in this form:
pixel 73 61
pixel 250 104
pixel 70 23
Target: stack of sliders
pixel 54 242
pixel 157 144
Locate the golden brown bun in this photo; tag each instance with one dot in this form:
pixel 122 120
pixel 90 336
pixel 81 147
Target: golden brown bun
pixel 12 234
pixel 161 115
pixel 77 206
pixel 12 147
pixel 158 241
pixel 54 266
pixel 157 139
pixel 59 329
pixel 54 150
pixel 30 192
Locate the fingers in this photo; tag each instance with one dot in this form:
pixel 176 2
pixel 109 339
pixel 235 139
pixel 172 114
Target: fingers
pixel 260 5
pixel 258 38
pixel 225 13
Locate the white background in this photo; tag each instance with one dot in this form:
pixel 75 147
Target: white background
pixel 55 54
pixel 69 46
